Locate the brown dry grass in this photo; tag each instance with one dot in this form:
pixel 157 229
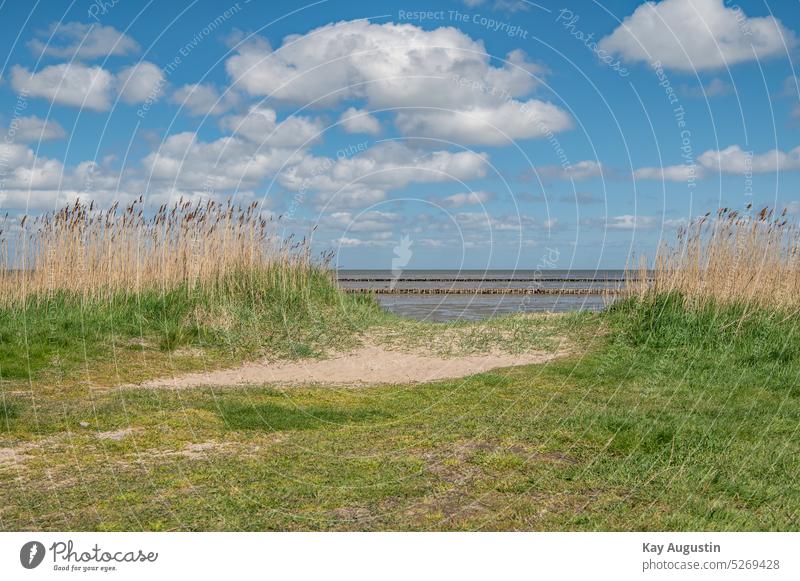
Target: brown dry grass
pixel 732 258
pixel 99 252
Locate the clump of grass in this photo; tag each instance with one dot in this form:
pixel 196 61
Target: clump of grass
pixel 98 253
pixel 731 259
pixel 80 285
pixel 727 295
pixel 711 334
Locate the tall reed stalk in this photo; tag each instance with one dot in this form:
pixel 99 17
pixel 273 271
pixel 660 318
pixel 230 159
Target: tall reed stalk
pixel 99 253
pixel 731 258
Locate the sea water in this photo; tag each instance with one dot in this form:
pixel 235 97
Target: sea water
pixel 451 307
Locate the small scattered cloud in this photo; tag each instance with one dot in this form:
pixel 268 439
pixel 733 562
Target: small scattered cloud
pixel 36 182
pixel 669 173
pixel 139 82
pixel 631 222
pixel 731 160
pixel 493 124
pixel 367 177
pixel 550 223
pixel 735 160
pixel 373 221
pixel 358 121
pixel 348 242
pixel 71 84
pixel 582 170
pixel 89 87
pixel 466 199
pixel 204 99
pixel 675 222
pixel 33 129
pixel 76 40
pixel 260 125
pixel 485 222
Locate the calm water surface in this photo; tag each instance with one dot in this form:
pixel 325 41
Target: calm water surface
pixel 442 307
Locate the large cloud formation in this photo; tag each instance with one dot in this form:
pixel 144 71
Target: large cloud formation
pixel 445 81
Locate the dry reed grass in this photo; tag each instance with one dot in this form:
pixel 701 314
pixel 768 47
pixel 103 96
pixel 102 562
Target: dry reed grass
pixel 96 253
pixel 731 258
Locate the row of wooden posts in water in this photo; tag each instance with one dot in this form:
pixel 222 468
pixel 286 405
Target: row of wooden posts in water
pixel 479 279
pixel 485 291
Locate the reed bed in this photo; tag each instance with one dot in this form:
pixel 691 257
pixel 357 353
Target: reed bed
pixel 731 258
pixel 101 253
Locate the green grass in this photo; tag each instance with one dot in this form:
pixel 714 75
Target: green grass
pixel 663 418
pixel 277 312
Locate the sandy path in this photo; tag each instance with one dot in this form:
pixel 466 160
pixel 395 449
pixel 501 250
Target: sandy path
pixel 366 365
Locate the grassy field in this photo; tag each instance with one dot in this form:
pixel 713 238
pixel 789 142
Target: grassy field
pixel 677 409
pixel 665 419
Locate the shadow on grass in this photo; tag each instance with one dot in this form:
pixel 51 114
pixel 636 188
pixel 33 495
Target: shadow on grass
pixel 270 417
pixel 9 412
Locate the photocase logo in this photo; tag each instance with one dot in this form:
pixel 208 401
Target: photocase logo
pixel 402 256
pixel 31 554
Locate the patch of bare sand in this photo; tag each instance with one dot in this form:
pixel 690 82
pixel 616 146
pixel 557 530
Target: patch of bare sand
pixel 116 435
pixel 367 365
pixel 11 457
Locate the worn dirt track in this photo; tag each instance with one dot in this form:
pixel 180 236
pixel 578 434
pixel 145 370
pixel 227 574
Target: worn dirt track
pixel 367 365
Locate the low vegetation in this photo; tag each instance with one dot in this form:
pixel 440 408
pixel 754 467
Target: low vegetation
pixel 113 296
pixel 750 259
pixel 677 408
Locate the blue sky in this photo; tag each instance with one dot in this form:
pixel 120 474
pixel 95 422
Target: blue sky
pixel 490 133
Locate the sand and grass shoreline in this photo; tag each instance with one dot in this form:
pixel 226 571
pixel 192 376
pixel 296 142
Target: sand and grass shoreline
pixel 675 409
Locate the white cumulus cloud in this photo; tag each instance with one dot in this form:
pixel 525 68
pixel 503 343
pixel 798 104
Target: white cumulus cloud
pixel 89 87
pixel 670 173
pixel 578 171
pixel 357 121
pixel 227 163
pixel 731 160
pixel 466 199
pixel 690 35
pixel 630 222
pixel 449 76
pixel 72 84
pixel 139 82
pixel 388 65
pixel 735 160
pixel 36 183
pixel 203 99
pixel 368 177
pixel 76 40
pixel 33 129
pixel 260 125
pixel 487 124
